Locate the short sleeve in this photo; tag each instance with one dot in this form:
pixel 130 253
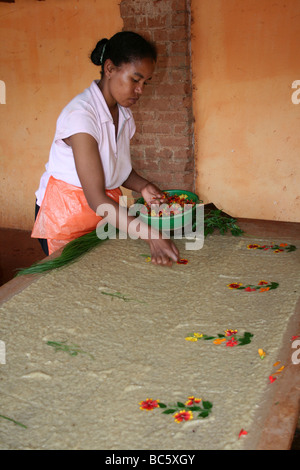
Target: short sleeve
pixel 131 124
pixel 75 121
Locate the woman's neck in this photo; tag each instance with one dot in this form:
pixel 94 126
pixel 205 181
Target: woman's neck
pixel 110 101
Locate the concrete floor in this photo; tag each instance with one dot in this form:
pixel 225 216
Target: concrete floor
pixel 18 250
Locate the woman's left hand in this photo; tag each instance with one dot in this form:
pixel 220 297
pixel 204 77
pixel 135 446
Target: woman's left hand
pixel 152 194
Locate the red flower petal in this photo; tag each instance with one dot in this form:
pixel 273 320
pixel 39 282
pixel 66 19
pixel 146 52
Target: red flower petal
pixel 242 433
pixel 182 261
pixel 232 342
pixel 149 404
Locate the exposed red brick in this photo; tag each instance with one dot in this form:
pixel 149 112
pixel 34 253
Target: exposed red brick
pixel 157 127
pixel 178 5
pixel 162 148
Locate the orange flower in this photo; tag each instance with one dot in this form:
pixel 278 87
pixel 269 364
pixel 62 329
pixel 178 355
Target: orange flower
pixel 263 283
pixel 262 353
pixel 234 285
pixel 219 340
pixel 183 416
pixel 264 289
pixel 149 404
pixel 192 400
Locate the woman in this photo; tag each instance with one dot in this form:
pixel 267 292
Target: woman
pixel 90 155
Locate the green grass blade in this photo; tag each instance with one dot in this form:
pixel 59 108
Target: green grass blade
pixel 14 421
pixel 71 252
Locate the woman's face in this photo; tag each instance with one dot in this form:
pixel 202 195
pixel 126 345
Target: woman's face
pixel 126 83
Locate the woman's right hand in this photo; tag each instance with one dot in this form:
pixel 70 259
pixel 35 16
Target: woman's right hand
pixel 163 252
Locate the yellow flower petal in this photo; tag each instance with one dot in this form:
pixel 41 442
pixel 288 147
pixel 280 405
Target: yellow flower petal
pixel 262 353
pixel 198 335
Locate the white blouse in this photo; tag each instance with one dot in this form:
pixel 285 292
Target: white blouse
pixel 89 113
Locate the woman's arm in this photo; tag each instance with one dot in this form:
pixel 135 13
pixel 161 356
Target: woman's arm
pixel 150 192
pixel 135 182
pixel 91 175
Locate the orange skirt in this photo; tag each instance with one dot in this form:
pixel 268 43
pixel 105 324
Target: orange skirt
pixel 65 214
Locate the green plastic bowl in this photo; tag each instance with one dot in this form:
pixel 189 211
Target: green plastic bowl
pixel 172 222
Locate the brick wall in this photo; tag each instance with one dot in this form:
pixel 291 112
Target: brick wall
pixel 162 149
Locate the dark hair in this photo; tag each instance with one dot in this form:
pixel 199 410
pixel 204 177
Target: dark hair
pixel 123 47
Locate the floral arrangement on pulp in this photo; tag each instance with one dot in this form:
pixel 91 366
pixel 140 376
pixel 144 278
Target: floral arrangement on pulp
pixel 181 411
pixel 275 248
pixel 230 338
pixel 262 286
pixel 214 219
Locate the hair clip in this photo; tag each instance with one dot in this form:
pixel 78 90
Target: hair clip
pixel 103 50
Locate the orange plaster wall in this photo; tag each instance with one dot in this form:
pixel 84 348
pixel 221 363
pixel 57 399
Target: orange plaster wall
pixel 245 57
pixel 44 60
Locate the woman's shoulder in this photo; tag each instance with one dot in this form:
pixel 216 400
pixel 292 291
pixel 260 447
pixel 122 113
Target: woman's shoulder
pixel 79 115
pixel 80 101
pixel 81 106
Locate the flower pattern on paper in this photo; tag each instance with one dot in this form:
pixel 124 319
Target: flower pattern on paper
pixel 193 408
pixel 261 286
